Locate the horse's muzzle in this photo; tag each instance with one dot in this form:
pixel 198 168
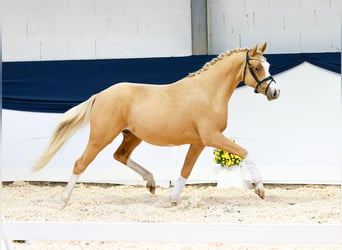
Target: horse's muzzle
pixel 273 92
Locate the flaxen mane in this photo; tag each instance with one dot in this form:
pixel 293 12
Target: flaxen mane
pixel 215 60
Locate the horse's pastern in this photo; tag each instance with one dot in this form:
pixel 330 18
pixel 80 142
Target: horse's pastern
pixel 173 204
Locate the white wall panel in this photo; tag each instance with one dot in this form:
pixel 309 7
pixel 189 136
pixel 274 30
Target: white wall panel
pixel 52 9
pixel 281 6
pixel 81 48
pixel 314 4
pixel 26 9
pixel 267 19
pixel 282 41
pixel 54 48
pixel 11 24
pixel 36 29
pixel 327 19
pixel 310 41
pixel 251 38
pixel 163 28
pixel 137 29
pixel 82 8
pixel 254 21
pixel 225 21
pixel 24 48
pixel 105 8
pixel 299 20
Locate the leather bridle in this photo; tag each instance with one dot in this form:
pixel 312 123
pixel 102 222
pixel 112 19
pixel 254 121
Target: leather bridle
pixel 259 82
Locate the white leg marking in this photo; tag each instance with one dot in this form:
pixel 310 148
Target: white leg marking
pixel 256 177
pixel 255 174
pixel 177 189
pixel 67 192
pixel 145 174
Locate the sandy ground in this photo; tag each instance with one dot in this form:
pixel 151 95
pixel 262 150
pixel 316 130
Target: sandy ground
pixel 283 204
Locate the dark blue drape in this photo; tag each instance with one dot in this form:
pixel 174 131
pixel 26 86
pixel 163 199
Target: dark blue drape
pixel 283 62
pixel 55 86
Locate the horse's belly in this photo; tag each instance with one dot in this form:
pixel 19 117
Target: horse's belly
pixel 157 117
pixel 168 141
pixel 166 135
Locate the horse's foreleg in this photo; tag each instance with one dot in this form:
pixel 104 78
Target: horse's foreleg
pixel 256 176
pixel 189 162
pixel 122 154
pixel 220 141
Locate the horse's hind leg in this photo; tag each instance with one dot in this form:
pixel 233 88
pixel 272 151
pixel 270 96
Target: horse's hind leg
pixel 81 164
pixel 122 154
pixel 98 139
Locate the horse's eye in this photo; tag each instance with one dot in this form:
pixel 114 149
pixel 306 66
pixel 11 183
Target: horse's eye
pixel 256 68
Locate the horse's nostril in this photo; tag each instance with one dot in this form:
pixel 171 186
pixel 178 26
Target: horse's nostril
pixel 275 93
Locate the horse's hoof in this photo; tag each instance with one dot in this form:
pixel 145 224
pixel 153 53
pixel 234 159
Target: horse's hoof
pixel 151 186
pixel 65 201
pixel 64 204
pixel 152 189
pixel 259 190
pixel 261 193
pixel 173 204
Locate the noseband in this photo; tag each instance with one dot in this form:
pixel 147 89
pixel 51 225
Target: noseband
pixel 259 82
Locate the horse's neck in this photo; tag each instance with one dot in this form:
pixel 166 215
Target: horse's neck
pixel 222 78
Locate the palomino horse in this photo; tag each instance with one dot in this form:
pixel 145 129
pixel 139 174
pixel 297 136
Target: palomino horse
pixel 193 111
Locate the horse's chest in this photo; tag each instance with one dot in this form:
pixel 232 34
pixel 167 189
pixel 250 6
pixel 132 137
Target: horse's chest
pixel 222 123
pixel 219 119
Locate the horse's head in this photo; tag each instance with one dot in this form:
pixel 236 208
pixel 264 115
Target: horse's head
pixel 257 76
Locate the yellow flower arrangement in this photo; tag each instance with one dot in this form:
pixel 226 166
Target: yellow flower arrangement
pixel 225 158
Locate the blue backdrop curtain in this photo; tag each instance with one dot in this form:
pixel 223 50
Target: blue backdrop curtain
pixel 55 86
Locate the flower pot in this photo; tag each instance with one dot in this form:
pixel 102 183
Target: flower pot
pixel 231 177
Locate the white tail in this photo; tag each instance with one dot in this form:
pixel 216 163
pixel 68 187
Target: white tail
pixel 72 120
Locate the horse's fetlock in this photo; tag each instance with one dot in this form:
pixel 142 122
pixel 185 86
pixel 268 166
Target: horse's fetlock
pixel 148 177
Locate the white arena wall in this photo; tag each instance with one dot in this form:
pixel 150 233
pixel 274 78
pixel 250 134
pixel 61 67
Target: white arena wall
pixel 92 29
pixel 295 139
pixel 289 26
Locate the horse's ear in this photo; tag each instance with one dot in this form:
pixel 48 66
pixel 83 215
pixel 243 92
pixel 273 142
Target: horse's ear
pixel 253 51
pixel 263 47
